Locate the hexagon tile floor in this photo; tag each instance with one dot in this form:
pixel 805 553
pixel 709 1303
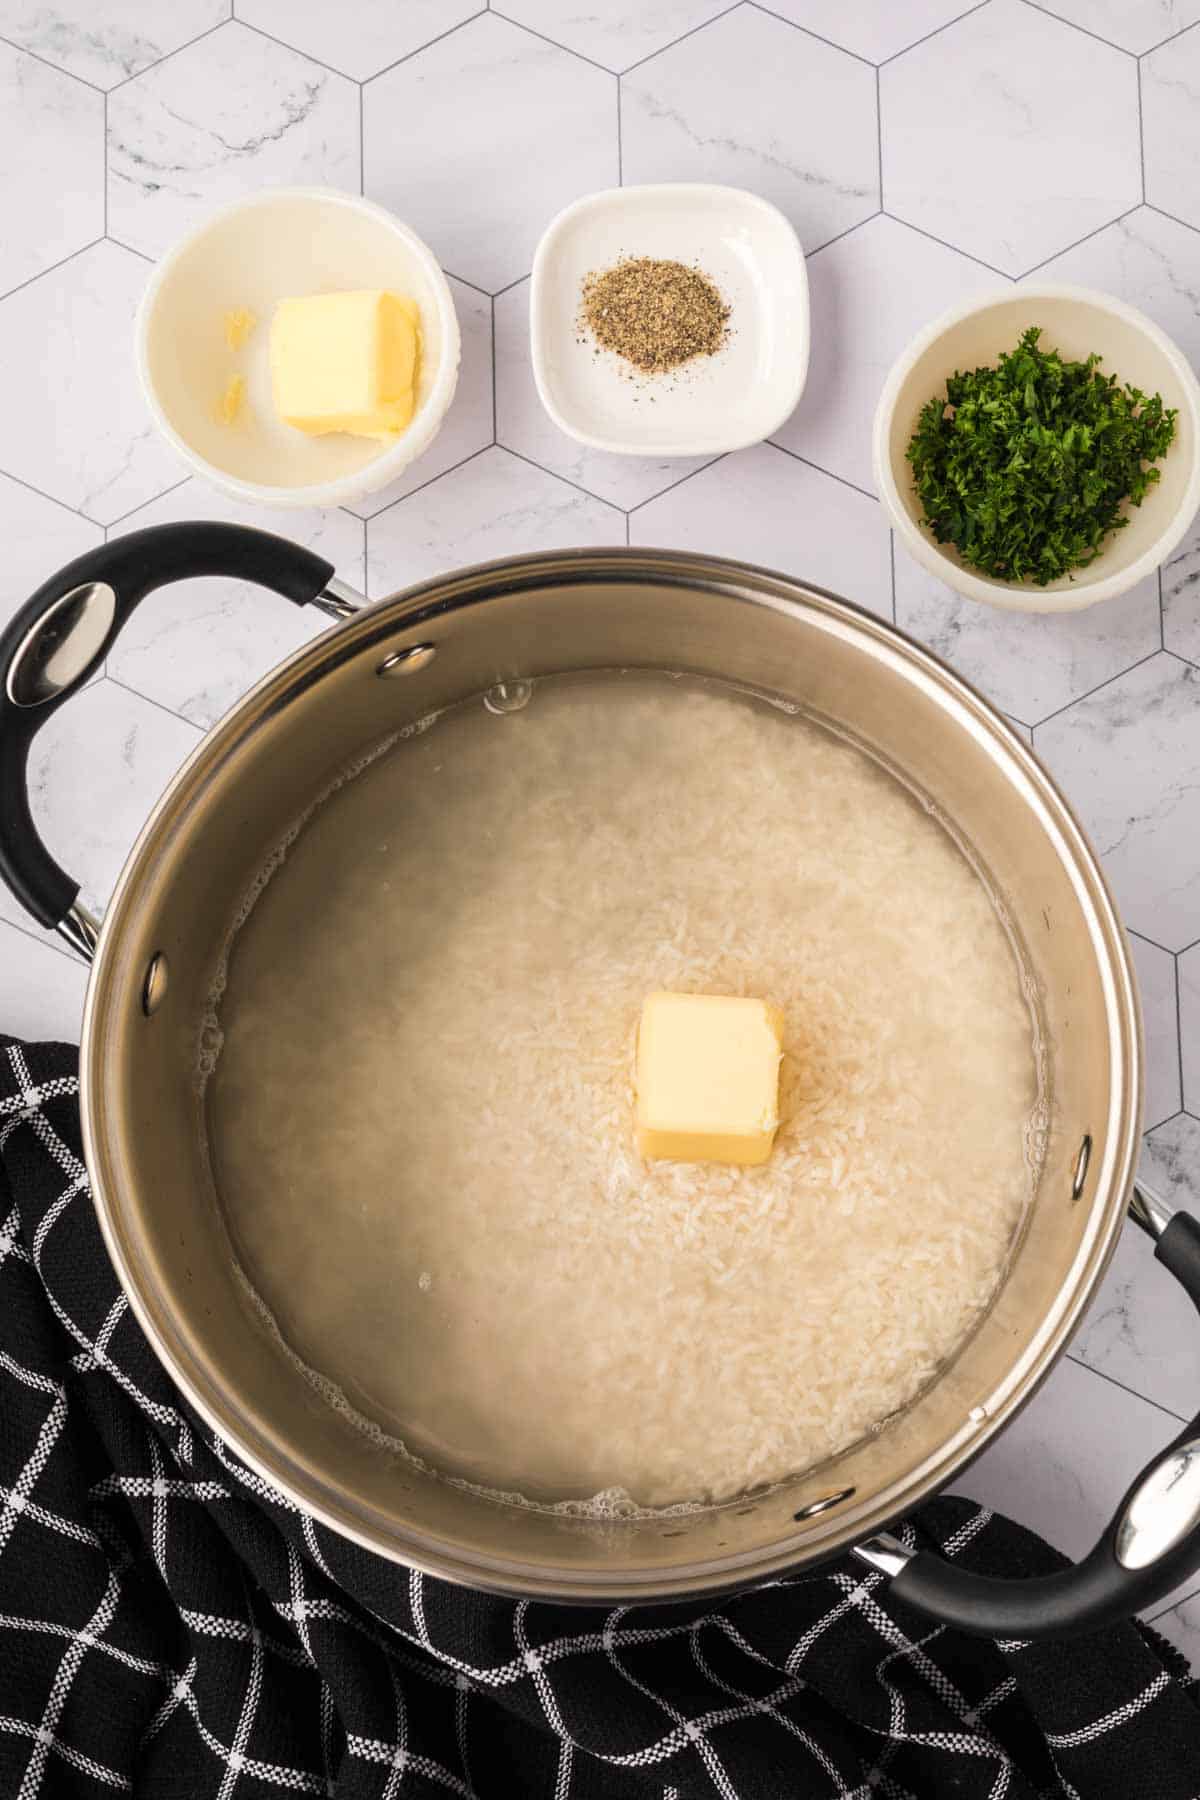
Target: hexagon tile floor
pixel 924 149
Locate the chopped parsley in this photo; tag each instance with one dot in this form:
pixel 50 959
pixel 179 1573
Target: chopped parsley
pixel 1026 468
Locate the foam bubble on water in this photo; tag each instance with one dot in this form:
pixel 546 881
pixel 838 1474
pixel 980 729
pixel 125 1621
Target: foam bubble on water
pixel 329 1391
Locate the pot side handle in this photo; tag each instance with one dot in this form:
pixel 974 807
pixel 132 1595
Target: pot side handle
pixel 56 640
pixel 1151 1544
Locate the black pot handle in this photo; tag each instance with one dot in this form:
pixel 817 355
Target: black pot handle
pixel 54 642
pixel 1150 1546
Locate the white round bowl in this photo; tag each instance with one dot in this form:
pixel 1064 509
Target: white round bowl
pixel 1075 321
pixel 253 253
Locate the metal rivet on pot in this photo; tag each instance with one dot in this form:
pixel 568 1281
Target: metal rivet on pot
pixel 1081 1168
pixel 407 662
pixel 508 696
pixel 154 988
pixel 816 1507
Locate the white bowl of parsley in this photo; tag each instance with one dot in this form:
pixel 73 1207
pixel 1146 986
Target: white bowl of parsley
pixel 1039 449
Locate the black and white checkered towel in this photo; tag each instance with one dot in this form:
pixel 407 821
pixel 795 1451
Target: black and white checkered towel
pixel 169 1626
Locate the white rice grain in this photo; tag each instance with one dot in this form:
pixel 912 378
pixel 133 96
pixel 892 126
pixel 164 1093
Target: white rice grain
pixel 442 1086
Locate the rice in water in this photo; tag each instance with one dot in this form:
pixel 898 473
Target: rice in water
pixel 421 1117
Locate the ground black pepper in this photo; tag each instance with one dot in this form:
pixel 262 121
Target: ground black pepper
pixel 654 313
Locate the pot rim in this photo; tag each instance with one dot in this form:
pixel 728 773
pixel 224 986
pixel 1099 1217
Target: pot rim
pixel 412 609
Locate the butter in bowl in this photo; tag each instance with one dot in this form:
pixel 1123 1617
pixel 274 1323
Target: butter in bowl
pixel 299 348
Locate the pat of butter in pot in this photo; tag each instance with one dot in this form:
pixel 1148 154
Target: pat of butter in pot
pixel 708 1078
pixel 346 362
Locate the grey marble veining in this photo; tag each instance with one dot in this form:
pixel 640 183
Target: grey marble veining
pixel 235 108
pixel 1189 1027
pixel 68 333
pixel 1181 598
pixel 53 131
pixel 105 45
pixel 494 98
pixel 1031 664
pixel 925 151
pixel 1129 754
pixel 362 39
pixel 495 505
pixel 814 147
pixel 863 314
pixel 1049 160
pixel 1136 25
pixel 765 506
pixel 1170 97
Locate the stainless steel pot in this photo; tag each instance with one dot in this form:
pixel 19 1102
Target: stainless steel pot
pixel 389 663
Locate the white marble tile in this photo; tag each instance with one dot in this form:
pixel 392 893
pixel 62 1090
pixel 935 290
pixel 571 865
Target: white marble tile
pixel 1160 1022
pixel 1010 135
pixel 1171 1163
pixel 1031 664
pixel 870 292
pixel 480 139
pixel 872 28
pixel 73 422
pixel 469 425
pixel 229 114
pixel 762 506
pixel 361 39
pixel 1062 1465
pixel 524 425
pixel 1189 1030
pixel 95 770
pixel 1171 126
pixel 38 537
pixel 1128 757
pixel 1181 597
pixel 197 646
pixel 52 131
pixel 495 505
pixel 41 990
pixel 1135 25
pixel 617 33
pixel 1147 259
pixel 752 102
pixel 106 44
pixel 1142 1329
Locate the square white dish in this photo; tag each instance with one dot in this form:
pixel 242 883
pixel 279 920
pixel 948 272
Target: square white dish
pixel 713 404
